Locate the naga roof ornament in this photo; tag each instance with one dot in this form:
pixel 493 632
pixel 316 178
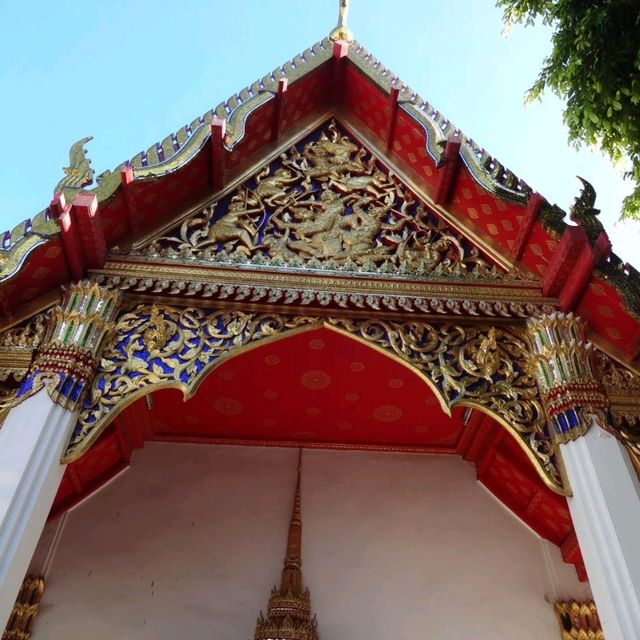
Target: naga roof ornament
pixel 79 173
pixel 584 213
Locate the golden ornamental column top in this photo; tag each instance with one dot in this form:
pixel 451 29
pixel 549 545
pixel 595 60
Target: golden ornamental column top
pixel 70 350
pixel 561 362
pixel 341 31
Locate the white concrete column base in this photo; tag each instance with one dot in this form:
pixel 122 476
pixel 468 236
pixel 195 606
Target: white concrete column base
pixel 605 508
pixel 32 440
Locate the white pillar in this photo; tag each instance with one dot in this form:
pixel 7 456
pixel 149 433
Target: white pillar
pixel 36 432
pixel 32 440
pixel 605 509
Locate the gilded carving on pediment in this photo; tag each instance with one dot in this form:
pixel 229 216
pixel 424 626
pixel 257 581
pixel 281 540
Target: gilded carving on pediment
pixel 327 204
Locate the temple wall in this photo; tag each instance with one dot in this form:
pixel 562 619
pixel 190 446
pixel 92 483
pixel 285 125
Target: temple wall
pixel 188 542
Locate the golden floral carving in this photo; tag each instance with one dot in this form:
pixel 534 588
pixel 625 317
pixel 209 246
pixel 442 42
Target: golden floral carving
pixel 627 429
pixel 325 204
pixel 17 346
pixel 27 335
pixel 616 379
pixel 158 332
pixel 7 401
pixel 476 366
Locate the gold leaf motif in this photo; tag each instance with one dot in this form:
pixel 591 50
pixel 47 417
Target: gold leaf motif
pixel 24 610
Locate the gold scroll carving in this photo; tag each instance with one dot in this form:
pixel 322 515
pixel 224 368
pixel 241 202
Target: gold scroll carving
pixel 17 346
pixel 623 390
pixel 327 203
pixel 157 346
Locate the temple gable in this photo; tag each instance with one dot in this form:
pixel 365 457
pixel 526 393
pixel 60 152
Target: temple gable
pixel 325 204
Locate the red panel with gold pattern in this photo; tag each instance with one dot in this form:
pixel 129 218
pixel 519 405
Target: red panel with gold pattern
pixel 258 132
pixel 160 200
pixel 497 221
pixel 306 95
pixel 605 310
pixel 366 102
pixel 48 269
pixel 539 249
pixel 114 215
pixel 410 145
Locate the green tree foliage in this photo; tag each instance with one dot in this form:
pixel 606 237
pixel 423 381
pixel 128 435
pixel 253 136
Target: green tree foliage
pixel 594 66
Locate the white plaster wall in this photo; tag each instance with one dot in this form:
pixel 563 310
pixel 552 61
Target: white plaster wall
pixel 189 541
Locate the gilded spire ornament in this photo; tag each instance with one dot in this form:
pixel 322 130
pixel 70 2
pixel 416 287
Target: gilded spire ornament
pixel 341 30
pixel 289 609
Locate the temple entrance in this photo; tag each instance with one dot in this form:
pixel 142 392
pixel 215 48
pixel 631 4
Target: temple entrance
pixel 322 262
pixel 191 539
pixel 320 388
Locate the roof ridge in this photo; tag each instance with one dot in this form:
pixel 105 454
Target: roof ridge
pixel 178 148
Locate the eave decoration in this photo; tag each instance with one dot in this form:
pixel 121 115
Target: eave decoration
pixel 256 117
pixel 578 620
pixel 25 609
pixel 159 346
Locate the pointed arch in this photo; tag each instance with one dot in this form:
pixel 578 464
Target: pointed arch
pixel 159 347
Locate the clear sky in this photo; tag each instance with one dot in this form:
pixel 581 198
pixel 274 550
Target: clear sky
pixel 131 72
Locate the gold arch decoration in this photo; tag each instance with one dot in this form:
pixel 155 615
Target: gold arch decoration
pixel 159 346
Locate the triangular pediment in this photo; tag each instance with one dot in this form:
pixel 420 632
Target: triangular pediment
pixel 470 220
pixel 326 204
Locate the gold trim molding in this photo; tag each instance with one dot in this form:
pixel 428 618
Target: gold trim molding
pixel 323 290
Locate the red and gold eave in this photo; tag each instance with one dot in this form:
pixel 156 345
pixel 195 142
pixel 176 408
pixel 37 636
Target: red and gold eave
pixel 331 79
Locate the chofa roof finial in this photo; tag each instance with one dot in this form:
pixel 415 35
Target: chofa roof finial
pixel 341 30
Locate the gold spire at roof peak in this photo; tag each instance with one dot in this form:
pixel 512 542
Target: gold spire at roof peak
pixel 341 30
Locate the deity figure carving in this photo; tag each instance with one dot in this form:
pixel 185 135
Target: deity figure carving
pixel 327 201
